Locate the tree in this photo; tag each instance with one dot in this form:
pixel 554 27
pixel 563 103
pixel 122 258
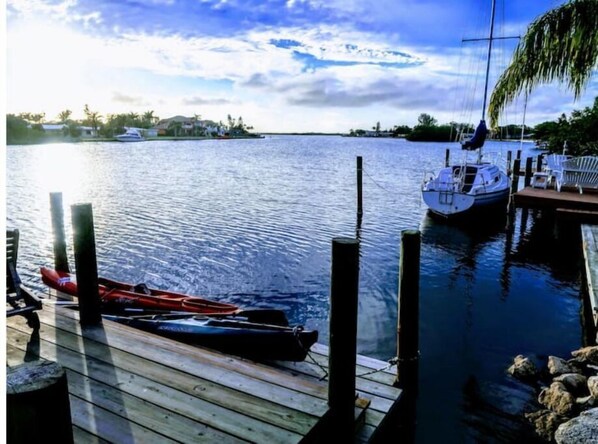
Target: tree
pixel 560 45
pixel 16 129
pixel 65 116
pixel 426 120
pixel 92 118
pixel 148 119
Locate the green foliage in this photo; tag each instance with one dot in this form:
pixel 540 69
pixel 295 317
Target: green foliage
pixel 560 45
pixel 16 129
pixel 430 133
pixel 426 120
pixel 580 131
pixel 401 130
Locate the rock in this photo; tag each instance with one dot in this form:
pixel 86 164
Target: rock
pixel 558 366
pixel 545 423
pixel 586 402
pixel 589 355
pixel 557 399
pixel 523 368
pixel 580 430
pixel 593 386
pixel 575 383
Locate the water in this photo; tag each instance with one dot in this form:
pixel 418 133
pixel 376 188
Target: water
pixel 251 222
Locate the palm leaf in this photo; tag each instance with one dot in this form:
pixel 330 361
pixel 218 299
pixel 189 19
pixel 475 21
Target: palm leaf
pixel 560 45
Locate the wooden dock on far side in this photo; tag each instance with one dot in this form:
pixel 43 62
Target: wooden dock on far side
pixel 569 204
pixel 126 385
pixel 589 235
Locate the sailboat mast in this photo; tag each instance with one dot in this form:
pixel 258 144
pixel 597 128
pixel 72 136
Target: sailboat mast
pixel 488 61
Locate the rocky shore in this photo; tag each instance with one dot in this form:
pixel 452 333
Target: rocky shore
pixel 567 395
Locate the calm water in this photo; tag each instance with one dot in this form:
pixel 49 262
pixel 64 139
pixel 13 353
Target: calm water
pixel 251 222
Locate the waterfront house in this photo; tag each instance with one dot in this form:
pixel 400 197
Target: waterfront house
pixel 54 128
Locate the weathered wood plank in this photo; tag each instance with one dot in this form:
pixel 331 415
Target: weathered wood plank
pixel 304 394
pixel 84 437
pixel 181 368
pixel 248 404
pixel 140 411
pixel 589 235
pixel 137 385
pixel 113 428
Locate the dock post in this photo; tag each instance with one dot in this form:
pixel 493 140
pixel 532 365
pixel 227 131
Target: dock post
pixel 408 319
pixel 515 176
pixel 509 156
pixel 343 338
pixel 447 155
pixel 539 160
pixel 518 154
pixel 61 262
pixel 86 265
pixel 359 185
pixel 528 172
pixel 38 406
pixel 408 334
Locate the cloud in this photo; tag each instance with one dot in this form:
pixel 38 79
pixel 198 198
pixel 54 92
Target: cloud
pixel 203 101
pixel 129 100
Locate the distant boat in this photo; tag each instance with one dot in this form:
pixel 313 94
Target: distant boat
pixel 131 135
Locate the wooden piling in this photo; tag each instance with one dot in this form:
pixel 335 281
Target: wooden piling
pixel 343 337
pixel 539 161
pixel 37 400
pixel 509 156
pixel 408 319
pixel 359 185
pixel 528 171
pixel 515 176
pixel 518 154
pixel 61 262
pixel 447 156
pixel 86 264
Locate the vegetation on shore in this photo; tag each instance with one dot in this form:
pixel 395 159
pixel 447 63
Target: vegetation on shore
pixel 579 131
pixel 28 128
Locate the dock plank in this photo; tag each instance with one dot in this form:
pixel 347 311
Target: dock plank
pixel 589 235
pixel 551 199
pixel 131 386
pixel 120 402
pixel 212 366
pixel 140 381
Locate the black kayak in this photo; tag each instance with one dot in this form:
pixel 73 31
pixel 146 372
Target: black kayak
pixel 228 334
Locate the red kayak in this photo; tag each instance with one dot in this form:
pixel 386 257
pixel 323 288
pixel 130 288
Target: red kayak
pixel 139 296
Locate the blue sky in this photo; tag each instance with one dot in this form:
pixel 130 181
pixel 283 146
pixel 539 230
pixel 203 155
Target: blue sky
pixel 283 65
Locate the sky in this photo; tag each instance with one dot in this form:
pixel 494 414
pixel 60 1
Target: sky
pixel 283 65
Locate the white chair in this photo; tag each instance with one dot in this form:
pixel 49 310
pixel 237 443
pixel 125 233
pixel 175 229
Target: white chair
pixel 554 166
pixel 579 172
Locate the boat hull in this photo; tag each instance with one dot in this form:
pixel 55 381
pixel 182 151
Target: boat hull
pixel 227 335
pixel 452 204
pixel 460 190
pixel 123 295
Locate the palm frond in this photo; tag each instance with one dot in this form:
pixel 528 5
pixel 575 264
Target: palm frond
pixel 560 45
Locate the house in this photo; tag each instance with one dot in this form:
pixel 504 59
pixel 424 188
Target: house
pixel 87 132
pixel 54 128
pixel 188 126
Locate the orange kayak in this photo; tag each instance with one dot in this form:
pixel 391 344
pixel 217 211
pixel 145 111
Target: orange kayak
pixel 139 296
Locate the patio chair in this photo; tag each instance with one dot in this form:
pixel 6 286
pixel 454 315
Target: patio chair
pixel 21 301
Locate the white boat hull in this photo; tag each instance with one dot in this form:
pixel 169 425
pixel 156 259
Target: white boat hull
pixel 451 203
pixel 461 189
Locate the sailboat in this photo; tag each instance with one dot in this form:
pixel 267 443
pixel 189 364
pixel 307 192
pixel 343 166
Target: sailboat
pixel 461 189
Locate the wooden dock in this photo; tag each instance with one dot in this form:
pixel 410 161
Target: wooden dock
pixel 589 235
pixel 130 386
pixel 572 205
